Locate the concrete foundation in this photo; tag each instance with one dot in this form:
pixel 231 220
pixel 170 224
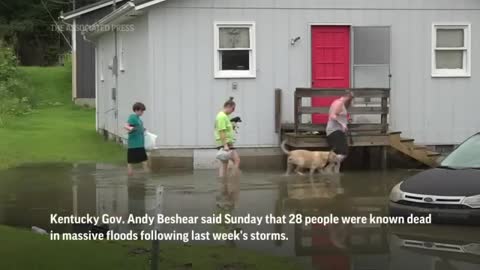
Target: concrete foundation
pixel 194 159
pixel 272 158
pixel 85 102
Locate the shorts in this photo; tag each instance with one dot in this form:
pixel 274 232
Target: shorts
pixel 230 146
pixel 337 141
pixel 136 155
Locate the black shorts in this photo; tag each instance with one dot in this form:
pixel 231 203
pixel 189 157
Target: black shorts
pixel 338 142
pixel 136 155
pixel 230 146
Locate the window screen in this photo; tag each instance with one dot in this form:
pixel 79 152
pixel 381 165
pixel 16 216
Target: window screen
pixel 371 45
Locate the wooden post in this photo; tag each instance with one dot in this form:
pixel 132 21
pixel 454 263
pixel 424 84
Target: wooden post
pixel 297 101
pixel 384 115
pixel 384 157
pixel 278 110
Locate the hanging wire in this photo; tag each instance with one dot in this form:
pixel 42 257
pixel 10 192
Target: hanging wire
pixel 56 24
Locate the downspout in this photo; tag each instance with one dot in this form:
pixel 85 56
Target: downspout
pixel 115 66
pixel 74 60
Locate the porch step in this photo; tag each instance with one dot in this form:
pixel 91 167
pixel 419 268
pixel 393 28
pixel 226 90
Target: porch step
pixel 408 147
pixel 433 154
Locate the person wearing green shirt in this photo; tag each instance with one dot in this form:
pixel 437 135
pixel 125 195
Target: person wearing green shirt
pixel 225 137
pixel 136 139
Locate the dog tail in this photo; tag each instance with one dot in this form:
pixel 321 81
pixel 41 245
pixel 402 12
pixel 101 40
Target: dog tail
pixel 284 149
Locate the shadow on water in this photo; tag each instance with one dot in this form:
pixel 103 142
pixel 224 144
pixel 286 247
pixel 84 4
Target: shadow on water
pixel 29 194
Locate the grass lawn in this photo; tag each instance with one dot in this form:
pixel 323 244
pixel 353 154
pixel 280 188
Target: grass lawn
pixel 58 130
pixel 22 250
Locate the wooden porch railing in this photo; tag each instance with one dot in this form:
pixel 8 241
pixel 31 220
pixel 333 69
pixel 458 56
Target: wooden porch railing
pixel 382 109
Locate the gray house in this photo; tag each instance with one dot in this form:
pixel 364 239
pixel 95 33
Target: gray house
pixel 83 51
pixel 184 58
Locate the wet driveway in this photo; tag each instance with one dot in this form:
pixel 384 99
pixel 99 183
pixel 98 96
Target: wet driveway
pixel 29 194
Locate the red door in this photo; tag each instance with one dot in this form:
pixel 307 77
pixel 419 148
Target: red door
pixel 330 63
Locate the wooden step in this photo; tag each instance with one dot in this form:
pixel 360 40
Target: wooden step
pixel 420 147
pixel 406 140
pixel 407 147
pixel 395 133
pixel 433 154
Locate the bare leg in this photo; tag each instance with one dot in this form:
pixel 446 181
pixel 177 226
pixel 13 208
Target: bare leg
pixel 223 169
pixel 130 169
pixel 340 159
pixel 236 162
pixel 146 167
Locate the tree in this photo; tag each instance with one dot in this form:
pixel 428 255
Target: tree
pixel 28 26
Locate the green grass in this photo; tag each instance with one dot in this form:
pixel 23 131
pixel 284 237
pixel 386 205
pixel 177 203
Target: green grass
pixel 57 131
pixel 25 250
pixel 52 84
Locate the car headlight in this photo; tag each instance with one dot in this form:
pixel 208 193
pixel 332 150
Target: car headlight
pixel 473 201
pixel 396 194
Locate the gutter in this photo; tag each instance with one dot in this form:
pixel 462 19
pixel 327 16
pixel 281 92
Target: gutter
pixel 75 13
pixel 148 4
pixel 116 17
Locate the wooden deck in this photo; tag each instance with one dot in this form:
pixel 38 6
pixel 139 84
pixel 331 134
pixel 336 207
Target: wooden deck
pixel 301 134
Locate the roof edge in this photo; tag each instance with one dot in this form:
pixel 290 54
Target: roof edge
pixel 148 4
pixel 111 17
pixel 87 9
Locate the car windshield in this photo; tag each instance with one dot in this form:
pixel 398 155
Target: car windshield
pixel 467 155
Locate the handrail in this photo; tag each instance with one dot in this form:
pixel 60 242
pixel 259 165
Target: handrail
pixel 383 110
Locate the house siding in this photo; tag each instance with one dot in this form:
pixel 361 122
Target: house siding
pixel 131 84
pixel 185 96
pixel 86 55
pixel 105 105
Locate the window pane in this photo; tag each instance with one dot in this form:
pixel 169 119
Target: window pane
pixel 449 59
pixel 450 37
pixel 371 45
pixel 234 37
pixel 235 60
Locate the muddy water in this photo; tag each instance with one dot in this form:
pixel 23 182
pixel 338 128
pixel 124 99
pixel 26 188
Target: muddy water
pixel 29 194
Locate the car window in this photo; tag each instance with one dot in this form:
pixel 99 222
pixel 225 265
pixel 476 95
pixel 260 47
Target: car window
pixel 467 155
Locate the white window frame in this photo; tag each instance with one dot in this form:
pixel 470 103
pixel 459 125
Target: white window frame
pixel 466 71
pixel 227 74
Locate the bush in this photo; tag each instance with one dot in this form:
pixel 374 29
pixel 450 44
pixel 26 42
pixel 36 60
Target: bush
pixel 16 96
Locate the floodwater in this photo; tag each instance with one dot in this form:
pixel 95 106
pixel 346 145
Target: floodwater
pixel 29 194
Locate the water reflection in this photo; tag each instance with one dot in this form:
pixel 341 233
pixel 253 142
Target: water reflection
pixel 28 195
pixel 226 202
pixel 337 246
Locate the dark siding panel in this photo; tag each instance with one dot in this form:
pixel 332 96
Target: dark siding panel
pixel 86 55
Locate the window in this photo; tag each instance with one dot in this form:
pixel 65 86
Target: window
pixel 121 62
pixel 451 50
pixel 235 50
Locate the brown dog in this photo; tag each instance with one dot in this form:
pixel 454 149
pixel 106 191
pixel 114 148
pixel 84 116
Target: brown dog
pixel 305 159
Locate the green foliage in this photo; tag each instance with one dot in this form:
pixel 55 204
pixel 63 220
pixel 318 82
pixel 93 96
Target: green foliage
pixel 67 62
pixel 57 131
pixel 27 26
pixel 16 96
